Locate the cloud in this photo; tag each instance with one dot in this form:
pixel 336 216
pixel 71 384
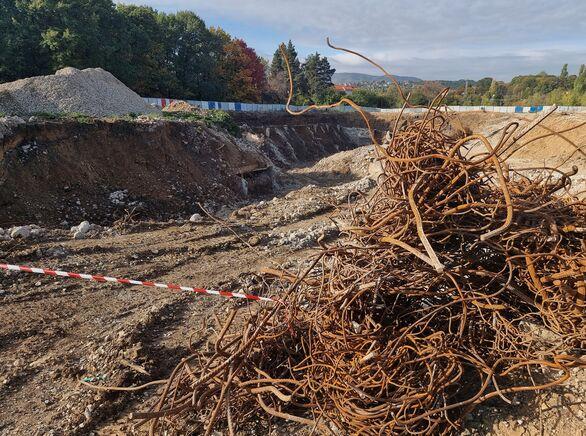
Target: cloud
pixel 425 38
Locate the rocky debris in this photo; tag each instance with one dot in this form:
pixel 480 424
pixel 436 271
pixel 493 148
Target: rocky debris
pixel 85 229
pixel 93 92
pixel 303 203
pixel 181 106
pixel 304 237
pixel 56 252
pixel 118 197
pixel 21 232
pixel 195 218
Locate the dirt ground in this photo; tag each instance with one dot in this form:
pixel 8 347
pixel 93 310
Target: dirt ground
pixel 55 332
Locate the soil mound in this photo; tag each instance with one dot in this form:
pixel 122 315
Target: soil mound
pixel 181 106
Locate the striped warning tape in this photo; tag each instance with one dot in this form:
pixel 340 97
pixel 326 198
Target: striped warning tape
pixel 100 278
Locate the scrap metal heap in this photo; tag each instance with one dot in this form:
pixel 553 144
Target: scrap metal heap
pixel 458 281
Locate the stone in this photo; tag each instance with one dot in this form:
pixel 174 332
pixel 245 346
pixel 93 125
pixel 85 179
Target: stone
pixel 254 241
pixel 84 227
pixel 20 232
pixel 196 218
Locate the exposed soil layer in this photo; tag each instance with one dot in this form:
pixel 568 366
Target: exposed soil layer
pixel 59 171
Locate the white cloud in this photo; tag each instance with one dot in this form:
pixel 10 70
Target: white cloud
pixel 426 38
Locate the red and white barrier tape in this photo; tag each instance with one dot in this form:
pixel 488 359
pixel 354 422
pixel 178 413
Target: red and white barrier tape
pixel 99 278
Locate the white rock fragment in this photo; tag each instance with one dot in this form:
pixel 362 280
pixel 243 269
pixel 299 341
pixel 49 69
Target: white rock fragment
pixel 80 231
pixel 118 197
pixel 20 232
pixel 84 227
pixel 37 231
pixel 196 218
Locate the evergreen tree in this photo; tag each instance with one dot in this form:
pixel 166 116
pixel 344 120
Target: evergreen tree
pixel 580 82
pixel 278 73
pixel 564 79
pixel 318 76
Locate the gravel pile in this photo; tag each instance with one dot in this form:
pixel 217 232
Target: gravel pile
pixel 92 91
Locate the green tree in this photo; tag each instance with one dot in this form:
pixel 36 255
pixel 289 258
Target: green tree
pixel 140 52
pixel 580 82
pixel 21 53
pixel 192 52
pixel 77 33
pixel 564 77
pixel 278 75
pixel 318 76
pixel 495 94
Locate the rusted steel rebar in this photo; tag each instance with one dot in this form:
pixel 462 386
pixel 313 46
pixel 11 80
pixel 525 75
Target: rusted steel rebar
pixel 435 300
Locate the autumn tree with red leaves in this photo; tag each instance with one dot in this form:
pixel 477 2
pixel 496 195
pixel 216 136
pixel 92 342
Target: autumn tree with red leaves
pixel 242 71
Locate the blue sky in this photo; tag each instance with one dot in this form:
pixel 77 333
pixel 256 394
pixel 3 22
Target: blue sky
pixel 430 39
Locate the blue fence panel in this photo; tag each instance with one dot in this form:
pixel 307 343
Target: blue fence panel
pixel 254 107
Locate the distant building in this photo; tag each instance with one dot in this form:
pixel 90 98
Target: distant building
pixel 346 88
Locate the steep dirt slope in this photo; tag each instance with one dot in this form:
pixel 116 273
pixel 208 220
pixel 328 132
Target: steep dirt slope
pixel 98 169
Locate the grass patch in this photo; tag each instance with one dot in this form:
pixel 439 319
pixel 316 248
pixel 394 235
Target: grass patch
pixel 48 116
pixel 80 118
pixel 211 118
pixel 57 116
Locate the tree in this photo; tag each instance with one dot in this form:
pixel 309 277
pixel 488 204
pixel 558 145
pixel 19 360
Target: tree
pixel 192 52
pixel 495 94
pixel 483 84
pixel 278 72
pixel 21 53
pixel 243 72
pixel 77 33
pixel 141 52
pixel 318 76
pixel 372 98
pixel 580 82
pixel 564 78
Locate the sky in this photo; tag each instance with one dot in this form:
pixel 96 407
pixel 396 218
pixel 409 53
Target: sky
pixel 429 39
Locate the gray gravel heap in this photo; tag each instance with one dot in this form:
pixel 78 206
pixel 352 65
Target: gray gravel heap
pixel 92 91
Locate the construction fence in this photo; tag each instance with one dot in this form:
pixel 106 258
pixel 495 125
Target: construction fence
pixel 254 107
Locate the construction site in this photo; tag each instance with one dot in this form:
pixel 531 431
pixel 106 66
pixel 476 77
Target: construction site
pixel 308 272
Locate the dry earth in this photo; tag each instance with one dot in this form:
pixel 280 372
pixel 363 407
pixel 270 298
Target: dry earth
pixel 54 332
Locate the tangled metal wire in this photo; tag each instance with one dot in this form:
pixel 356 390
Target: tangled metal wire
pixel 458 281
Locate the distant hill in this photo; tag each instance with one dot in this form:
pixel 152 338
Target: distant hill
pixel 341 78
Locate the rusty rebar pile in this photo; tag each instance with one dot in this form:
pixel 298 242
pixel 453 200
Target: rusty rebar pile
pixel 454 283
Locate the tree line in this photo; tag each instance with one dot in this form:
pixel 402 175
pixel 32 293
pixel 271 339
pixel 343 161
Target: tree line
pixel 176 55
pixel 154 53
pixel 528 90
